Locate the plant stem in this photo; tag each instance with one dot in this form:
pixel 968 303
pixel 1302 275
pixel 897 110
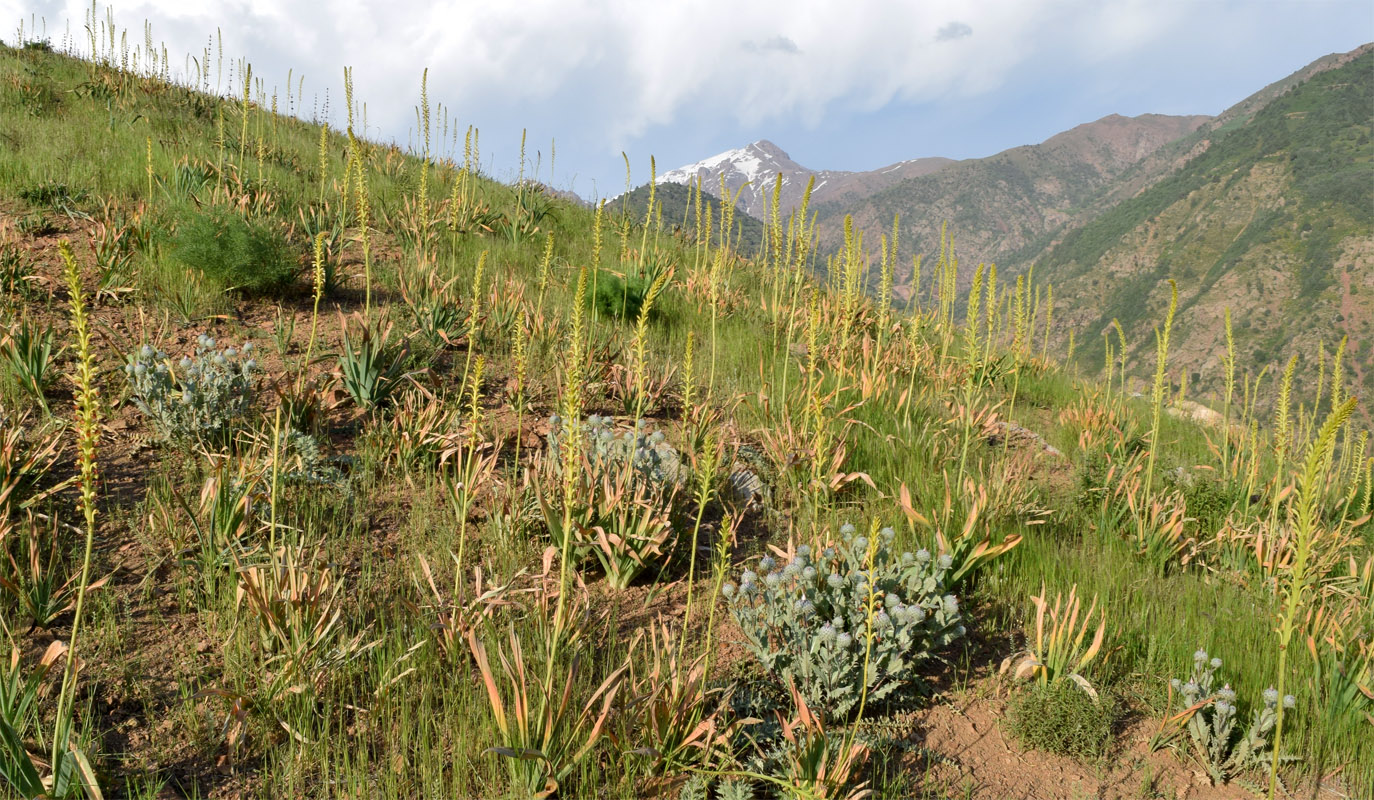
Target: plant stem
pixel 88 436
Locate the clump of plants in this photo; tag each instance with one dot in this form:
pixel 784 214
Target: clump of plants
pixel 201 398
pixel 1060 719
pixel 838 620
pixel 1209 717
pixel 622 298
pixel 372 363
pixel 27 356
pixel 29 451
pixel 303 462
pixel 248 255
pixel 624 486
pixel 1056 652
pixel 646 454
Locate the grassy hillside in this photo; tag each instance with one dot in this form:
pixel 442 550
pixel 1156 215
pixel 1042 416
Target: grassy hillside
pixel 1272 220
pixel 345 472
pixel 679 211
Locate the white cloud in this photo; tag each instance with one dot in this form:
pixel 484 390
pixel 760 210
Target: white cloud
pixel 631 65
pixel 601 75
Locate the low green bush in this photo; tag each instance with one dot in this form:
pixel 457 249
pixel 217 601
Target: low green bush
pixel 1059 718
pixel 620 297
pixel 248 255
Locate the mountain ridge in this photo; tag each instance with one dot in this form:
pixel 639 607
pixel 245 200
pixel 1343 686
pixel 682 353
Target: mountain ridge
pixel 1088 203
pixel 751 172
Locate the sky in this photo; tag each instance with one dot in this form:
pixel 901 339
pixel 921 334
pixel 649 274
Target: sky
pixel 852 85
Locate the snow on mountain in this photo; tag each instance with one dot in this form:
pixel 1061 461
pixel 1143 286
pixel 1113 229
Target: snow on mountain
pixel 752 170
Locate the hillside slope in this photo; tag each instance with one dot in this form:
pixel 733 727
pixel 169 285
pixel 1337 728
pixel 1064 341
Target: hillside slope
pixel 368 461
pixel 675 202
pixel 1009 202
pixel 1273 217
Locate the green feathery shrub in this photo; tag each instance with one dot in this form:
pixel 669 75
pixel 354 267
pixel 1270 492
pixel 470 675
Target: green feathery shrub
pixel 1060 719
pixel 248 255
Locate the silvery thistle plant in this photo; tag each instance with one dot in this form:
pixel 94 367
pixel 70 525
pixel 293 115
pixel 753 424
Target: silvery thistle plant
pixel 807 620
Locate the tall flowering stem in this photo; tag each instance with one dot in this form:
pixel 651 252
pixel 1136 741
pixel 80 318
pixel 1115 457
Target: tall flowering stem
pixel 319 281
pixel 574 370
pixel 1305 516
pixel 87 439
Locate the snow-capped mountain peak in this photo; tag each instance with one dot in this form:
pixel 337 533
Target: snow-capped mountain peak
pixel 752 171
pixel 755 168
pixel 748 164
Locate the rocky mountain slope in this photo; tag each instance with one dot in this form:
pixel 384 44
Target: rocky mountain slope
pixel 1271 215
pixel 1266 208
pixel 1012 202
